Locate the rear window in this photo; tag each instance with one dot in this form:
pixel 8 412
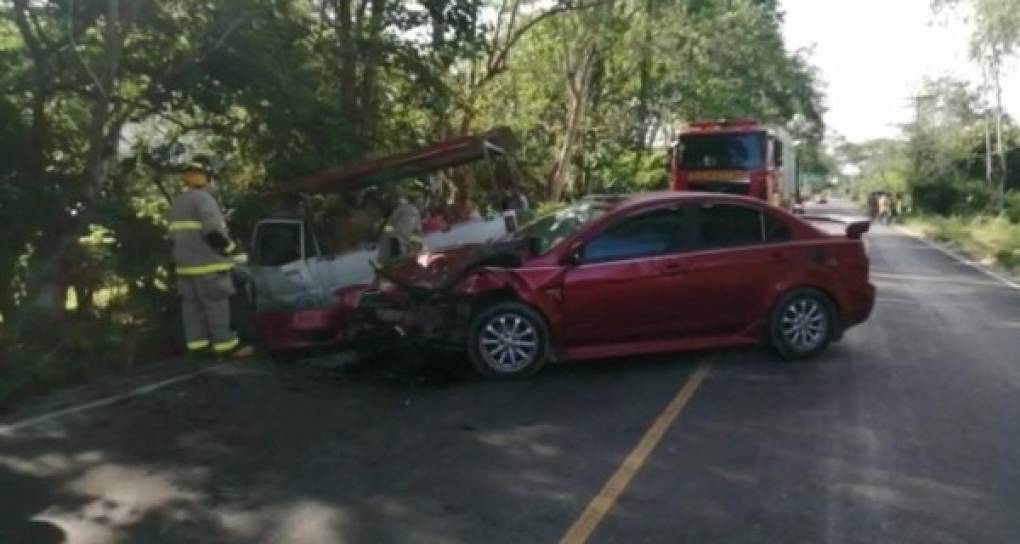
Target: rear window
pixel 724 151
pixel 775 230
pixel 726 225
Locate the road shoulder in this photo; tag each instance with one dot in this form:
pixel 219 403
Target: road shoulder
pixel 989 269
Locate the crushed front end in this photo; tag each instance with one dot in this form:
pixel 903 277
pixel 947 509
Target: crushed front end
pixel 429 297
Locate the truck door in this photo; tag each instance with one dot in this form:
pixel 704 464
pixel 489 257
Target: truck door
pixel 279 265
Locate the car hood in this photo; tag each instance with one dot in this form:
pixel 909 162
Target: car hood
pixel 439 270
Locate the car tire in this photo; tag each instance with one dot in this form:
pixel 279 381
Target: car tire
pixel 802 324
pixel 508 340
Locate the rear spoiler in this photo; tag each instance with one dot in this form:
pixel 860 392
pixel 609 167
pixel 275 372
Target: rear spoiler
pixel 855 226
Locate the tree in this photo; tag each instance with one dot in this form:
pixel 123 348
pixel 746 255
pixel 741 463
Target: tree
pixel 945 148
pixel 996 38
pixel 84 70
pixel 595 105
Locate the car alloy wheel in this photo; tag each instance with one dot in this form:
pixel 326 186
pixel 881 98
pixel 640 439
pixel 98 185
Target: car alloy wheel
pixel 508 343
pixel 802 324
pixel 805 324
pixel 508 339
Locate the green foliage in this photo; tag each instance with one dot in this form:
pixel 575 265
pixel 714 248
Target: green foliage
pixel 614 170
pixel 1013 206
pixel 945 196
pixel 713 59
pixel 988 238
pixel 549 206
pixel 945 150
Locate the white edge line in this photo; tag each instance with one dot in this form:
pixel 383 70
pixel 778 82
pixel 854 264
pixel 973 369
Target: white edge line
pixel 1005 281
pixel 7 430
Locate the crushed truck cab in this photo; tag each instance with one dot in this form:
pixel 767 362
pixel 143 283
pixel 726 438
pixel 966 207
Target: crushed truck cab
pixel 295 292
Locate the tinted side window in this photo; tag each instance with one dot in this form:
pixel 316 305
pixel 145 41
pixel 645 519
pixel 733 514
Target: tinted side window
pixel 726 225
pixel 641 236
pixel 775 231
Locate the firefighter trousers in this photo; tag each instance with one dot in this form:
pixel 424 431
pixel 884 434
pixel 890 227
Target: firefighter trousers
pixel 205 309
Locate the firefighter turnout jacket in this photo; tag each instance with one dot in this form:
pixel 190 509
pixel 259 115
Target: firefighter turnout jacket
pixel 199 233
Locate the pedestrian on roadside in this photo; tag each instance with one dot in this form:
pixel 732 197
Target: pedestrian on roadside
pixel 900 206
pixel 203 257
pixel 885 209
pixel 873 205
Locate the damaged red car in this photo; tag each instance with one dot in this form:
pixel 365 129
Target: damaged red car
pixel 623 276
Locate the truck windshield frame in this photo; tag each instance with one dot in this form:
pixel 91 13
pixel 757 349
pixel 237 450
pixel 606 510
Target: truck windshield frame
pixel 723 151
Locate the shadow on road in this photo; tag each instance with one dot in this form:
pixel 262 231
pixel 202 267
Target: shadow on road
pixel 402 446
pixel 410 446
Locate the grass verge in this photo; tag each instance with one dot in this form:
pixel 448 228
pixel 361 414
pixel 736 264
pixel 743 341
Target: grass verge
pixel 992 240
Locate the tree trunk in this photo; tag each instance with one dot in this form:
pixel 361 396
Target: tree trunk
pixel 368 99
pixel 579 92
pixel 344 26
pixel 645 80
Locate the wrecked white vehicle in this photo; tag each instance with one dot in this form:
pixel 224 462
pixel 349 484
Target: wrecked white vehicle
pixel 294 290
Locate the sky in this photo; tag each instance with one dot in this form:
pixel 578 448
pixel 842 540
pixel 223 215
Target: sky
pixel 874 54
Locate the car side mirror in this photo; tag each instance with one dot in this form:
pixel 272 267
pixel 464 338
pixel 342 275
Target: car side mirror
pixel 576 256
pixel 534 245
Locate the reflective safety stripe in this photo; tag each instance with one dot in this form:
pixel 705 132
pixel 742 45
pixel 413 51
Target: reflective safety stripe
pixel 198 345
pixel 387 229
pixel 204 269
pixel 230 248
pixel 177 226
pixel 223 347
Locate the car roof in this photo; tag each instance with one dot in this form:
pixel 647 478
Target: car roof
pixel 642 200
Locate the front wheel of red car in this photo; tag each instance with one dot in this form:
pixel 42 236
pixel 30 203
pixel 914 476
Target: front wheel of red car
pixel 508 340
pixel 802 324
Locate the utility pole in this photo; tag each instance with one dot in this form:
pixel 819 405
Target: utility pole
pixel 988 149
pixel 1000 194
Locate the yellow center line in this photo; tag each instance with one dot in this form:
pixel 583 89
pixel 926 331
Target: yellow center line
pixel 585 525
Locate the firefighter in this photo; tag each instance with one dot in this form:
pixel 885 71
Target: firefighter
pixel 203 256
pixel 401 234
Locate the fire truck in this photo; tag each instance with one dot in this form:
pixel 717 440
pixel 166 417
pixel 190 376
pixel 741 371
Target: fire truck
pixel 737 156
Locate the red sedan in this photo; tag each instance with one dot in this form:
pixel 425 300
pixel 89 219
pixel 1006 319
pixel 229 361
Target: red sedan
pixel 643 274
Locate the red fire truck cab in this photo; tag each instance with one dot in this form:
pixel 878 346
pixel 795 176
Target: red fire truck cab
pixel 739 157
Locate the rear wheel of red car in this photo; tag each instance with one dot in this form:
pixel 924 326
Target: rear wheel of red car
pixel 802 325
pixel 508 340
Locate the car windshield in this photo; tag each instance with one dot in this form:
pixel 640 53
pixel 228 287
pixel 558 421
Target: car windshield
pixel 552 229
pixel 732 151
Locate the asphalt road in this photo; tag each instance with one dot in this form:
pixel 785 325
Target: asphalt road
pixel 907 431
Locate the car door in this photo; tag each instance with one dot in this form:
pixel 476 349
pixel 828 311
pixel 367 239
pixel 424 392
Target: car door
pixel 739 254
pixel 613 292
